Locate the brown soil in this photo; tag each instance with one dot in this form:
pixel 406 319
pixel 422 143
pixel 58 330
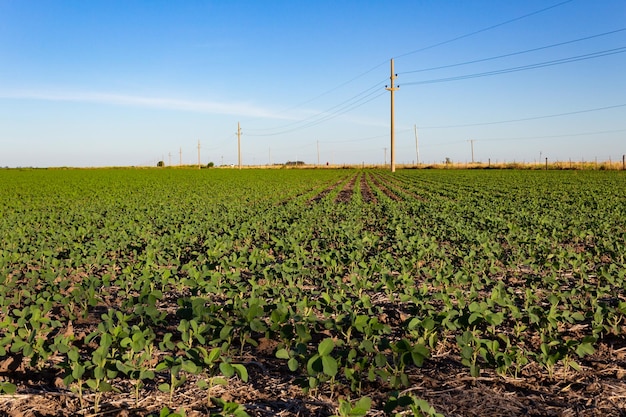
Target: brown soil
pixel 324 193
pixel 366 191
pixel 379 184
pixel 345 195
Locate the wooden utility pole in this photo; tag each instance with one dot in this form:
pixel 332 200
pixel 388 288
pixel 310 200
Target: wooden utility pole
pixel 417 148
pixel 318 152
pixel 239 144
pixel 391 89
pixel 198 154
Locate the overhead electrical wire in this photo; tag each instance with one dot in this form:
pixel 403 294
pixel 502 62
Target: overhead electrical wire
pixel 330 113
pixel 335 88
pixel 599 132
pixel 330 116
pixel 525 118
pixel 523 138
pixel 513 53
pixel 467 35
pixel 561 61
pixel 324 116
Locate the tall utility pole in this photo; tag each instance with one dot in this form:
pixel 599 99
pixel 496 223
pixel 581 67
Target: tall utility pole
pixel 471 141
pixel 391 89
pixel 239 144
pixel 417 148
pixel 318 152
pixel 180 156
pixel 385 160
pixel 198 153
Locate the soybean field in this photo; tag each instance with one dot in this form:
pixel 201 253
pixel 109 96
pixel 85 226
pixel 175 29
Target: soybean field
pixel 312 292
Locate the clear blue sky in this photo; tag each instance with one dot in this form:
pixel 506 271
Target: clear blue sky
pixel 100 83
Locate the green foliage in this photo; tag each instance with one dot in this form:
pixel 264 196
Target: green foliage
pixel 202 268
pixel 358 408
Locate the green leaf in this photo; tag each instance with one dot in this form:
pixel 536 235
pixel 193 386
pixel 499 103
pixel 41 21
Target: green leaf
pixel 99 373
pixel 105 387
pixel 214 354
pixel 73 355
pixel 282 354
pixel 326 346
pixel 293 364
pixel 314 365
pixel 585 348
pixel 191 367
pixel 361 407
pixel 241 371
pixel 78 371
pixel 227 369
pixel 8 388
pixel 146 375
pixel 329 365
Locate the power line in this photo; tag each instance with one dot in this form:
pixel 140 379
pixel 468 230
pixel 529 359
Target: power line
pixel 599 132
pixel 337 110
pixel 329 113
pixel 514 53
pixel 568 60
pixel 522 138
pixel 467 35
pixel 525 118
pixel 402 55
pixel 335 88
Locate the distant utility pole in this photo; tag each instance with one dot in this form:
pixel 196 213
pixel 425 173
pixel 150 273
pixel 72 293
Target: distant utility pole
pixel 318 152
pixel 471 141
pixel 391 89
pixel 269 155
pixel 170 159
pixel 198 153
pixel 239 144
pixel 417 148
pixel 385 160
pixel 180 156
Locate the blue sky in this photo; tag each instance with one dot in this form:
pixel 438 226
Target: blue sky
pixel 102 83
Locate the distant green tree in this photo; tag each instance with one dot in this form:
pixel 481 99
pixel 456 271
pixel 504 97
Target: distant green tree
pixel 210 165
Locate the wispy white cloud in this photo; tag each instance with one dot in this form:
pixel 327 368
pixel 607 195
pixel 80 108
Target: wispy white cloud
pixel 198 106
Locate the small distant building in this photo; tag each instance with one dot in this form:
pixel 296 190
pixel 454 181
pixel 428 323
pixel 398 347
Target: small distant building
pixel 294 163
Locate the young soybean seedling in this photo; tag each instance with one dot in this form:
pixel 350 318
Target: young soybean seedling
pixel 358 409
